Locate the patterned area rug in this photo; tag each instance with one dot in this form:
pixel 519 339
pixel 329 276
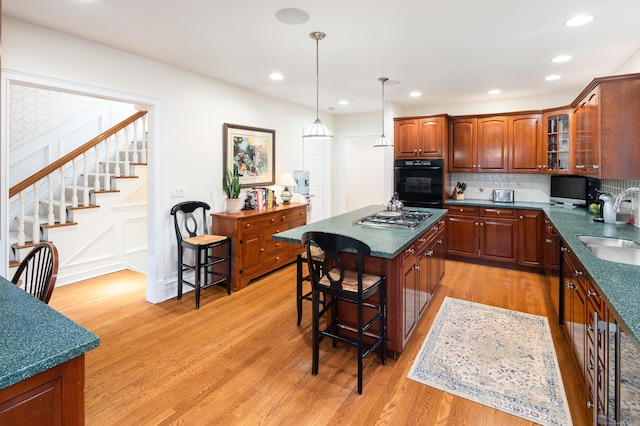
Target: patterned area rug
pixel 497 357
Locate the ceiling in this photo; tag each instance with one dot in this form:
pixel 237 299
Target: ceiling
pixel 451 51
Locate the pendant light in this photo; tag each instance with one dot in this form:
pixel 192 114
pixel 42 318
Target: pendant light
pixel 382 140
pixel 317 131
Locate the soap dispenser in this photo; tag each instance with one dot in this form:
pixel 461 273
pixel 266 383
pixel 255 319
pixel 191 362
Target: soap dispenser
pixel 608 214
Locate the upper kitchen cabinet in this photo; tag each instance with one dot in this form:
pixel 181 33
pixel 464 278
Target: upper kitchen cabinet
pixel 525 143
pixel 493 144
pixel 463 144
pixel 607 128
pixel 556 149
pixel 479 144
pixel 420 137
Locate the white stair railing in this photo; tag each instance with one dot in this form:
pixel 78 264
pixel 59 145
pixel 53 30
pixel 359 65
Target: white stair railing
pixel 99 148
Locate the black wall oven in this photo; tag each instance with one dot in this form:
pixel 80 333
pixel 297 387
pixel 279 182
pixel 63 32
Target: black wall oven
pixel 419 182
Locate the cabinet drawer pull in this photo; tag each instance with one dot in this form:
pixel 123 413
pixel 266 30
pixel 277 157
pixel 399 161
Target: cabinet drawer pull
pixel 578 273
pixel 571 285
pixel 439 241
pixel 591 293
pixel 430 253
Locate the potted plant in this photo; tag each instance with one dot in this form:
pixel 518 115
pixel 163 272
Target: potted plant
pixel 231 187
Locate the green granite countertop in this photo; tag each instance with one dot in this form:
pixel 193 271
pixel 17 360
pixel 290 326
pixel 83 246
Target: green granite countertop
pixel 384 242
pixel 34 337
pixel 619 283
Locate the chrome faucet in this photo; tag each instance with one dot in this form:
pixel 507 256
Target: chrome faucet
pixel 616 204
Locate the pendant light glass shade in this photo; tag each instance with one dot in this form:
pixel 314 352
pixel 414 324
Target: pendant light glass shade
pixel 382 140
pixel 318 130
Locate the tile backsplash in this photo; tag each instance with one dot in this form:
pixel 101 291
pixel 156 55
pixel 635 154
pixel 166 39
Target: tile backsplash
pixel 533 187
pixel 480 186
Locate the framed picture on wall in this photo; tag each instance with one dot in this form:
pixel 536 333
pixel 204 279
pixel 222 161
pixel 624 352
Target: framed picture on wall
pixel 250 152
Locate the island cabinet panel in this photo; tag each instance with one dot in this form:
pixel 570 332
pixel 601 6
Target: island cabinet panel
pixel 253 251
pixel 52 397
pixel 412 277
pixel 420 137
pixel 525 143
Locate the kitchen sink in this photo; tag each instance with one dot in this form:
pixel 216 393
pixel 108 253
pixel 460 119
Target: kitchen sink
pixel 588 240
pixel 613 249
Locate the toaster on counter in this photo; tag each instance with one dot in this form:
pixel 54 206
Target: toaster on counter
pixel 503 195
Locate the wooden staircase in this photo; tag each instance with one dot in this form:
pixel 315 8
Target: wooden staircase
pixel 69 188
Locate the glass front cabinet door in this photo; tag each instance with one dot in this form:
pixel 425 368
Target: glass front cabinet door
pixel 557 141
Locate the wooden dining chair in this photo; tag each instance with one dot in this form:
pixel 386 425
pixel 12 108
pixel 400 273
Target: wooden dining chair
pixel 38 271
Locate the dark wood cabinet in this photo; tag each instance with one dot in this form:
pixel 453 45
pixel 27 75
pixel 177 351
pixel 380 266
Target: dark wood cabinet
pixel 52 397
pixel 496 144
pixel 530 242
pixel 575 316
pixel 556 151
pixel 499 234
pixel 525 143
pixel 253 251
pixel 493 233
pixel 607 128
pixel 493 144
pixel 420 137
pixel 462 231
pixel 463 144
pixel 551 255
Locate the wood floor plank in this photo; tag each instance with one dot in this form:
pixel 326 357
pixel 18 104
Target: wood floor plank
pixel 241 359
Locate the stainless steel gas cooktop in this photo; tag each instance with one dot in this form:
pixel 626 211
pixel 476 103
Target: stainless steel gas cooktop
pixel 398 219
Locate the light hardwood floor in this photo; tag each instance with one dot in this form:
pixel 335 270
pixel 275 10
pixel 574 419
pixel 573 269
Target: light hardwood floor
pixel 241 359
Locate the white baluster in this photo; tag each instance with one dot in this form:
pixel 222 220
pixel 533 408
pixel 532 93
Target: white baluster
pixel 116 170
pixel 74 182
pixel 143 148
pixel 135 142
pixel 21 238
pixel 107 174
pixel 85 180
pixel 96 183
pixel 126 152
pixel 51 219
pixel 35 231
pixel 62 211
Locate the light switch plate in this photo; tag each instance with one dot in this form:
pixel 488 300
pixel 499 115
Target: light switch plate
pixel 177 192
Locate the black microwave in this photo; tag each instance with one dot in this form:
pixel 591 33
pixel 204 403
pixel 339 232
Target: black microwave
pixel 573 190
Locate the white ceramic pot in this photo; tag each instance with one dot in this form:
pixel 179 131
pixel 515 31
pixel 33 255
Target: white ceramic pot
pixel 234 205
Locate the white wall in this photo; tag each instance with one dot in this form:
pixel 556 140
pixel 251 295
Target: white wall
pixel 187 114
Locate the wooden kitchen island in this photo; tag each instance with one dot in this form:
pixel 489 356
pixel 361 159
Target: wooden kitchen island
pixel 411 259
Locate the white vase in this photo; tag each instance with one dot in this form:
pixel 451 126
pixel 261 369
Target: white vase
pixel 234 205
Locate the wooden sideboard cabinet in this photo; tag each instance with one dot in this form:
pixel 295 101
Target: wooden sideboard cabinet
pixel 253 252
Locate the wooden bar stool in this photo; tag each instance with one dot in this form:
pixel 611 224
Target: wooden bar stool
pixel 318 258
pixel 210 251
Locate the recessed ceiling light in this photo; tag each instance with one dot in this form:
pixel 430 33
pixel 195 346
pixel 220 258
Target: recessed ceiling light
pixel 415 94
pixel 344 102
pixel 579 20
pixel 561 58
pixel 276 76
pixel 495 91
pixel 292 16
pixel 553 77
